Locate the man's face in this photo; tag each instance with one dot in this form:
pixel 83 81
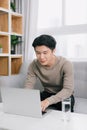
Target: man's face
pixel 44 55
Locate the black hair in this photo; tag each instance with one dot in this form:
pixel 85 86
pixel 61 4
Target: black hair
pixel 45 40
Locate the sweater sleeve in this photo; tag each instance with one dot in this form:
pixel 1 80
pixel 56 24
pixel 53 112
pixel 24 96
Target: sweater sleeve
pixel 31 77
pixel 68 84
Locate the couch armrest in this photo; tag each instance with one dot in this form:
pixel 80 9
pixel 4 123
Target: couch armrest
pixel 12 81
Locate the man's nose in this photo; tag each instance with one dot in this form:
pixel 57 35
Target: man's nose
pixel 42 56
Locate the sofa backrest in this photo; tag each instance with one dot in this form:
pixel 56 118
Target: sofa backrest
pixel 80 79
pixel 24 67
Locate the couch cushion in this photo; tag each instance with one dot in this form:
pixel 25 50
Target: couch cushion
pixel 80 105
pixel 80 79
pixel 24 67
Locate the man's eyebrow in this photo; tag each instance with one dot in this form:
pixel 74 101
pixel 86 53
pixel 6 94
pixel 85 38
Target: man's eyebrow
pixel 42 51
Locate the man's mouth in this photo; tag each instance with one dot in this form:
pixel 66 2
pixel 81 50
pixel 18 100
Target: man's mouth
pixel 42 61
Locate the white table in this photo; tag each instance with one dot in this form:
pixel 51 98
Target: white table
pixel 51 121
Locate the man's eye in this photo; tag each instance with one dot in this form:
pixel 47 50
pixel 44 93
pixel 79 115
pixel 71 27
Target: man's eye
pixel 45 52
pixel 37 53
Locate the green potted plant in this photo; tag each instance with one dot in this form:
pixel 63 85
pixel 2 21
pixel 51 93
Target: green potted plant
pixel 1 49
pixel 14 41
pixel 13 7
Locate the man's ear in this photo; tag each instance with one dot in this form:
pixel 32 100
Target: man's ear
pixel 54 50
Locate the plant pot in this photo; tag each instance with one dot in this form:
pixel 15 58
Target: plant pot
pixel 1 50
pixel 12 52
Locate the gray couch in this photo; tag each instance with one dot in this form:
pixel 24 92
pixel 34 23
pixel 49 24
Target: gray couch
pixel 80 83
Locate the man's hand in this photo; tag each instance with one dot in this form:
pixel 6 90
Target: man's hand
pixel 44 104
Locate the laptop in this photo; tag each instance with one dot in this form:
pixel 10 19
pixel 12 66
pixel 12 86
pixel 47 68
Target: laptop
pixel 25 102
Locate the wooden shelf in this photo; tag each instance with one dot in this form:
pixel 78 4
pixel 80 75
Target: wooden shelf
pixel 4 41
pixel 4 66
pixel 15 64
pixel 4 4
pixel 3 21
pixel 10 24
pixel 16 25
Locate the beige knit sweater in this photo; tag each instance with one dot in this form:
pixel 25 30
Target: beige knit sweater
pixel 57 79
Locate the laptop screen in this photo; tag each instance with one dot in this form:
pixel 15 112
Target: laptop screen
pixel 21 101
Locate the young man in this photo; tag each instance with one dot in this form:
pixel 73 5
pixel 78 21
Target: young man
pixel 55 73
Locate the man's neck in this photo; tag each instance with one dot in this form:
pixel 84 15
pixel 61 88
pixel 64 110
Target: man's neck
pixel 52 62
